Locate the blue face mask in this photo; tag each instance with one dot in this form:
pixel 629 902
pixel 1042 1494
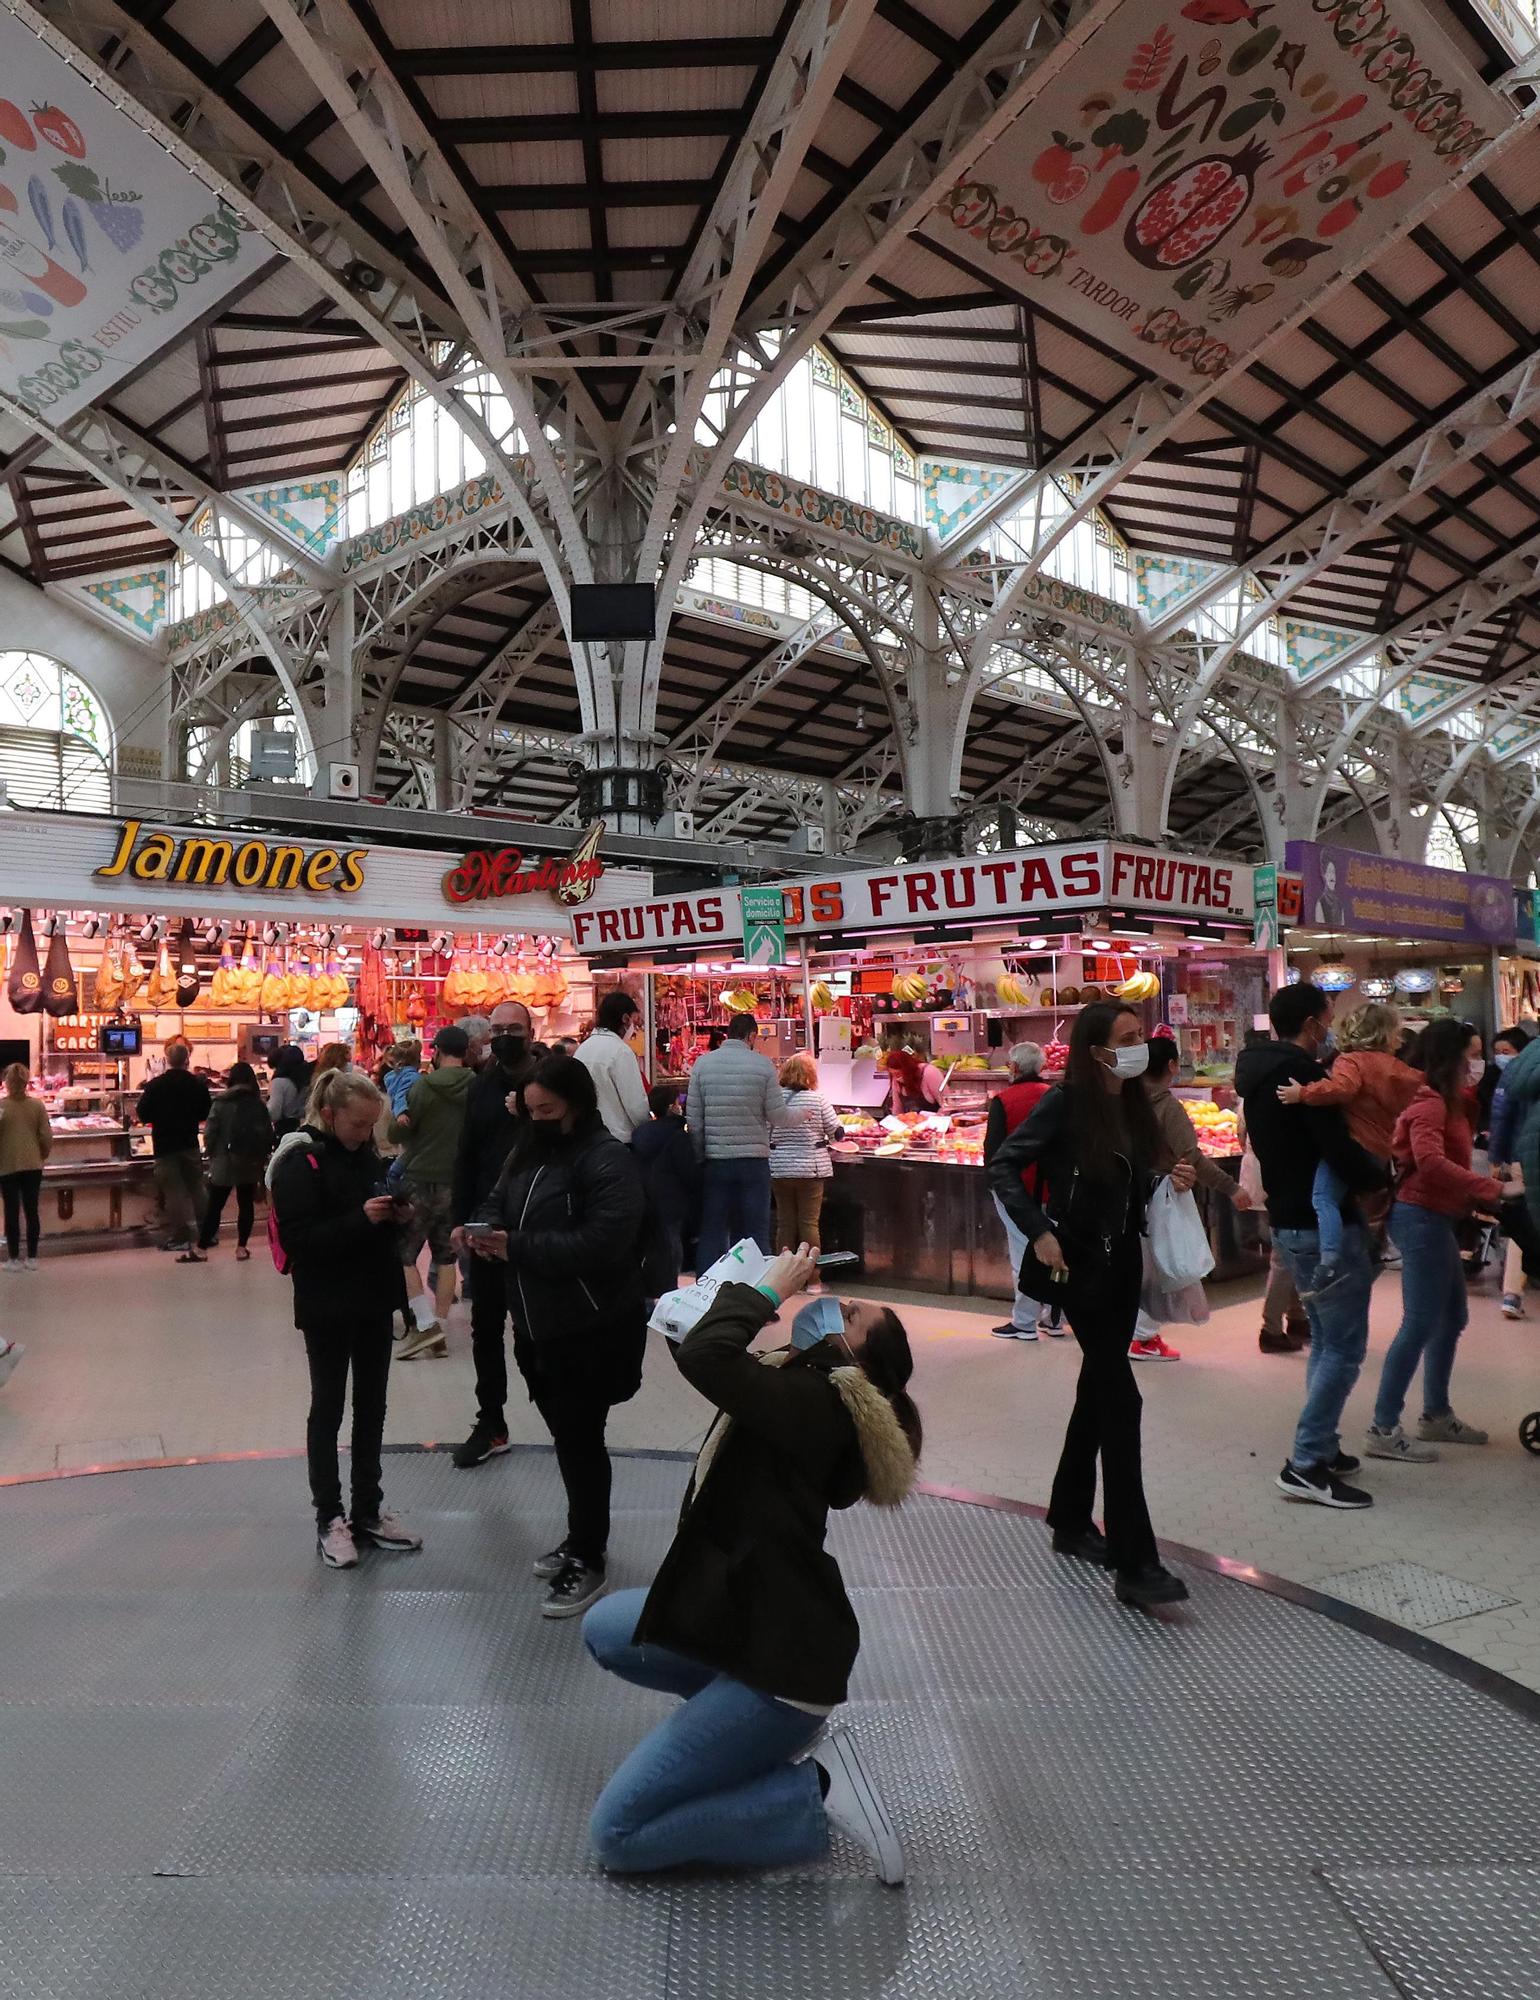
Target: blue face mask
pixel 820 1319
pixel 1502 1059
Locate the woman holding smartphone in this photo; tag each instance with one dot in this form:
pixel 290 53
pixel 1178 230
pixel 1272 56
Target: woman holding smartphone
pixel 336 1224
pixel 747 1620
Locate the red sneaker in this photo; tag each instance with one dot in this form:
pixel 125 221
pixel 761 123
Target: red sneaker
pixel 1154 1349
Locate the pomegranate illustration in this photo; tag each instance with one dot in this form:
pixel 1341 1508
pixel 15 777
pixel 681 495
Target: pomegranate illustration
pixel 1185 216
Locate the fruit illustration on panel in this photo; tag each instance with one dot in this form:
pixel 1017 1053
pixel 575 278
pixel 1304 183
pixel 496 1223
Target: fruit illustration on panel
pixel 1186 215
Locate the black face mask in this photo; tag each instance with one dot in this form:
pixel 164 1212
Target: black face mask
pixel 546 1134
pixel 508 1050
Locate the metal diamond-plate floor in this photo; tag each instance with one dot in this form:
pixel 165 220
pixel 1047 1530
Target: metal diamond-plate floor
pixel 226 1771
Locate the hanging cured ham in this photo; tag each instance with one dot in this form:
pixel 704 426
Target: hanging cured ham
pixel 188 978
pixel 61 995
pixel 25 986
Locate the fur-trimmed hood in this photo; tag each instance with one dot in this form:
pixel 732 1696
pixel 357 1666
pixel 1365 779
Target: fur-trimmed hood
pixel 890 1464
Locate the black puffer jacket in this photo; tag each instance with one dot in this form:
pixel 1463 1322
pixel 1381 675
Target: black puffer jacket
pixel 344 1266
pixel 748 1587
pixel 574 1214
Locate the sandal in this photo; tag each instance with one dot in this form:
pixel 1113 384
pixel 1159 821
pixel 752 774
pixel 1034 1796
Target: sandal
pixel 192 1257
pixel 243 1255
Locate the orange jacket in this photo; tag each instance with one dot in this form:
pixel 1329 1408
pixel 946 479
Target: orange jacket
pixel 1374 1088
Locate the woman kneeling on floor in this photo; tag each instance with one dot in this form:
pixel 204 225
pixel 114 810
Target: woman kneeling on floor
pixel 747 1618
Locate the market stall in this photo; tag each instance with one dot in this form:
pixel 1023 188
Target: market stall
pixel 957 961
pixel 1428 940
pixel 120 938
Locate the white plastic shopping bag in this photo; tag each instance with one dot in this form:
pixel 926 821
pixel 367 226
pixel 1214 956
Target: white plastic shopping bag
pixel 1187 1307
pixel 1250 1178
pixel 676 1312
pixel 1179 1244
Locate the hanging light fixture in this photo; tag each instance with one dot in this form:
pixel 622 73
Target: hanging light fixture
pixel 1377 987
pixel 1415 979
pixel 1334 976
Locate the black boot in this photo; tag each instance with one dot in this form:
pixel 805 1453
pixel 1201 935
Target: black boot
pixel 1149 1586
pixel 1088 1543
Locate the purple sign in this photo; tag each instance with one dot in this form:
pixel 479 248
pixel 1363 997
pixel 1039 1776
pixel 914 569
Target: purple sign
pixel 1345 890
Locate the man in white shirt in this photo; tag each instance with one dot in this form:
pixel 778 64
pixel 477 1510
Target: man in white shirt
pixel 615 1070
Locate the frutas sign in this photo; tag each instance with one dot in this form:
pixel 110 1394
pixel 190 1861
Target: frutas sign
pixel 211 861
pixel 1031 882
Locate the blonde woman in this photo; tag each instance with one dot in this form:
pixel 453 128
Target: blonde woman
pixel 336 1224
pixel 800 1162
pixel 25 1141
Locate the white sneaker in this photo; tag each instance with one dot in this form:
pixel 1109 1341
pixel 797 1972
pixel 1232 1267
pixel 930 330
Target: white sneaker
pixel 338 1550
pixel 10 1353
pixel 10 1264
pixel 852 1803
pixel 30 1264
pixel 1451 1429
pixel 1396 1444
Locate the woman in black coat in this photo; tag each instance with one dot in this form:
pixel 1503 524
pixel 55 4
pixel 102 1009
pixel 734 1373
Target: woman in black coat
pixel 747 1618
pixel 336 1226
pixel 566 1216
pixel 1098 1150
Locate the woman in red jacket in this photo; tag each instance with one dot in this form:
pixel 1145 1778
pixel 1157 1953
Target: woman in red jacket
pixel 1435 1189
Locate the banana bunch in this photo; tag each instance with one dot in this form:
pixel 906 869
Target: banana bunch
pixel 1142 986
pixel 738 999
pixel 1012 993
pixel 823 998
pixel 909 987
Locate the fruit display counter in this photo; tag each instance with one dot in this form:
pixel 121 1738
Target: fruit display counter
pixel 918 1222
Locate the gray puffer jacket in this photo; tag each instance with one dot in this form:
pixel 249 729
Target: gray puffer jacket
pixel 734 1104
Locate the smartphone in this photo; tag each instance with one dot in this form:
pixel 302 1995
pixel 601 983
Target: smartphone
pixel 834 1260
pixel 479 1228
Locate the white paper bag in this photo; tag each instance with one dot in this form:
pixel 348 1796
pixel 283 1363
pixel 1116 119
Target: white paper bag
pixel 1179 1243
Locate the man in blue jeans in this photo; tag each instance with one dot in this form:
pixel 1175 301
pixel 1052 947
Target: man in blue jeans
pixel 1290 1144
pixel 733 1104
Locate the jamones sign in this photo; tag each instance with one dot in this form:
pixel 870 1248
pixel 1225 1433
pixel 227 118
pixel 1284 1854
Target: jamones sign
pixel 1032 882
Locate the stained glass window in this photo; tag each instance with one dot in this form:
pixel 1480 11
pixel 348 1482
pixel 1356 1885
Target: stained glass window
pixel 55 741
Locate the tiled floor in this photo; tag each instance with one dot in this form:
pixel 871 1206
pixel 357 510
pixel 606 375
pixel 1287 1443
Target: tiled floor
pixel 130 1356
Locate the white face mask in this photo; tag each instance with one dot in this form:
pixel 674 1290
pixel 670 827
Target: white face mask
pixel 1502 1058
pixel 1133 1059
pixel 1475 1070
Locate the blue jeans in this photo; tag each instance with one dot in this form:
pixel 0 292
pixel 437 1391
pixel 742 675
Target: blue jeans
pixel 714 1782
pixel 735 1202
pixel 1433 1313
pixel 1326 1192
pixel 1339 1335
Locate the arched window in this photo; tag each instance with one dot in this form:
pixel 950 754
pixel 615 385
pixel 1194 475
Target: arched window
pixel 55 741
pixel 1446 837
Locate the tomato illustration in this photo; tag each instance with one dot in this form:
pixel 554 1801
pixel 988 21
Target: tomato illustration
pixel 1055 161
pixel 1189 213
pixel 1071 184
pixel 14 129
pixel 59 129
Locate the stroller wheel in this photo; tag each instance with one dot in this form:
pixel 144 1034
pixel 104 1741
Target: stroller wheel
pixel 1529 1432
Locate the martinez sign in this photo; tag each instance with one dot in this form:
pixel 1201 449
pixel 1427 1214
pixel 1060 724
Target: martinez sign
pixel 1031 882
pixel 210 861
pixel 493 872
